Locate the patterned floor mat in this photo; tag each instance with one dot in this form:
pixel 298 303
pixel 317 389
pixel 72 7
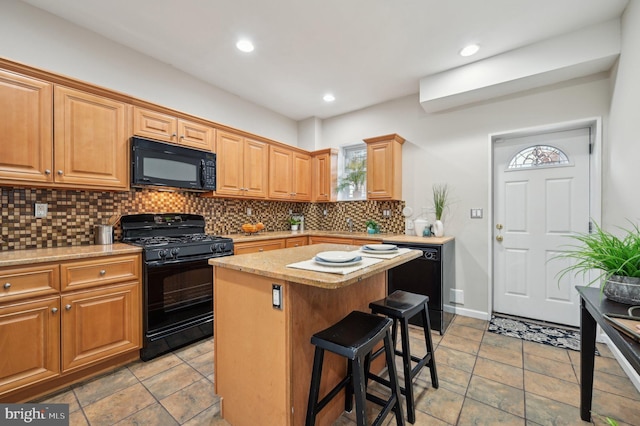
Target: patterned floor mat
pixel 560 337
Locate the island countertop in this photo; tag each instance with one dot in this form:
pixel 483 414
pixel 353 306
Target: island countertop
pixel 273 264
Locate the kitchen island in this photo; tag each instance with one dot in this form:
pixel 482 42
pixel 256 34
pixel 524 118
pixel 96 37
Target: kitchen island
pixel 263 355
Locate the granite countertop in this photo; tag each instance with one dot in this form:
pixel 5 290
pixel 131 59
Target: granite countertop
pixel 58 254
pixel 273 264
pixel 386 237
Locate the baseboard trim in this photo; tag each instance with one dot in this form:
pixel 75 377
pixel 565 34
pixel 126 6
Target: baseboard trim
pixel 458 310
pixel 628 369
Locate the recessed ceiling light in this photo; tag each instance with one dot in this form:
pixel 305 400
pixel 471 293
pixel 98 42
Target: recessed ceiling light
pixel 329 97
pixel 469 50
pixel 245 45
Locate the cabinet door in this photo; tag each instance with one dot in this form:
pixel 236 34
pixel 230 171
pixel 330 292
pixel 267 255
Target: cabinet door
pixel 100 323
pixel 30 342
pixel 91 140
pixel 256 168
pixel 301 177
pixel 195 135
pixel 26 151
pixel 258 246
pixel 155 125
pixel 324 176
pixel 280 173
pixel 379 168
pixel 229 164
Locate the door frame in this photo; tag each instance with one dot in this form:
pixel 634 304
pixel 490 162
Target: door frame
pixel 595 179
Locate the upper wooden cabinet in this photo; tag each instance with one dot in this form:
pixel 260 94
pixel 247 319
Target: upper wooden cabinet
pixel 91 140
pixel 289 174
pixel 26 153
pixel 157 125
pixel 324 179
pixel 384 167
pixel 242 166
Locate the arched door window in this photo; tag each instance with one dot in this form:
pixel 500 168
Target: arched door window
pixel 538 156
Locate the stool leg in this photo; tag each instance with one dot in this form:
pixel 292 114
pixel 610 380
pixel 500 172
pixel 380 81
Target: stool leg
pixel 358 380
pixel 314 388
pixel 427 337
pixel 393 378
pixel 348 393
pixel 406 364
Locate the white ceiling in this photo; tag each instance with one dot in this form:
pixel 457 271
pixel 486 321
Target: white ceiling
pixel 363 51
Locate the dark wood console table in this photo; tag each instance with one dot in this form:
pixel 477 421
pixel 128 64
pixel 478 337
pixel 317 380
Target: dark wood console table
pixel 592 307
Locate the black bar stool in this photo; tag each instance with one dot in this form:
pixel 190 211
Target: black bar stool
pixel 354 337
pixel 401 306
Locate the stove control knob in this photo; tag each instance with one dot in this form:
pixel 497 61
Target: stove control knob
pixel 174 252
pixel 162 254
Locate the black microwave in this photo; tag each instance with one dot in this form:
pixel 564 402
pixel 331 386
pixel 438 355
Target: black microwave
pixel 165 165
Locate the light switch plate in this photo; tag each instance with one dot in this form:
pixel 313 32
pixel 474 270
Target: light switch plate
pixel 40 210
pixel 476 213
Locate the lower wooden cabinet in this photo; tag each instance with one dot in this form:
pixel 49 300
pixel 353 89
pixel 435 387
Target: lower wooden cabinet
pixel 297 242
pixel 30 342
pixel 258 246
pixel 51 337
pixel 342 240
pixel 99 324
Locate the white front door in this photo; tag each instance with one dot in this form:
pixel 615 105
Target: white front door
pixel 541 195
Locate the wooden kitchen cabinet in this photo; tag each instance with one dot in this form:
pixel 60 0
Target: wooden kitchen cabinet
pixel 99 324
pixel 324 175
pixel 80 317
pixel 289 174
pixel 258 246
pixel 30 342
pixel 242 166
pixel 165 127
pixel 26 153
pixel 296 242
pixel 91 135
pixel 342 240
pixel 384 167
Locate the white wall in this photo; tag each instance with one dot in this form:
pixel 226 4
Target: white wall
pixel 40 39
pixel 621 168
pixel 453 147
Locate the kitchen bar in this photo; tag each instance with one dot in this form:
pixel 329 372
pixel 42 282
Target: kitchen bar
pixel 263 355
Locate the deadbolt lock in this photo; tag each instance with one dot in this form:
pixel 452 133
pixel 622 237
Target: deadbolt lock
pixel 499 226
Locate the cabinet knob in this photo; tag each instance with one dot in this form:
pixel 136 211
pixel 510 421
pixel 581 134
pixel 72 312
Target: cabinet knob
pixel 54 310
pixel 181 136
pixel 261 249
pixel 173 135
pixel 60 173
pixel 47 172
pixel 7 285
pixel 67 307
pixel 102 272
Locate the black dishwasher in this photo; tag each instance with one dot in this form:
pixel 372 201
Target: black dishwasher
pixel 432 274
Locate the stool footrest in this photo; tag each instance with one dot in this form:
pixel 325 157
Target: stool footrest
pixel 332 393
pixel 387 407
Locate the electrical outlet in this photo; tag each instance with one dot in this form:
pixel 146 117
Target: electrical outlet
pixel 40 210
pixel 386 213
pixel 248 211
pixel 456 296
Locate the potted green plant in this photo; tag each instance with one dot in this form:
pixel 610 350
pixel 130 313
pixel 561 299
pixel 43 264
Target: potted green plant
pixel 372 227
pixel 355 175
pixel 616 258
pixel 440 201
pixel 295 223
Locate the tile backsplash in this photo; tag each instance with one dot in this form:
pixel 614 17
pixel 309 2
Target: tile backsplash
pixel 73 214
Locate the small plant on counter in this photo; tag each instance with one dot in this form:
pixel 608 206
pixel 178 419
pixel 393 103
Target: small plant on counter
pixel 294 223
pixel 372 227
pixel 440 195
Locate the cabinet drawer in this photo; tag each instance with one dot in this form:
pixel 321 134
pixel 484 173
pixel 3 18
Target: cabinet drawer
pixel 258 246
pixel 330 240
pixel 29 281
pixel 105 270
pixel 297 242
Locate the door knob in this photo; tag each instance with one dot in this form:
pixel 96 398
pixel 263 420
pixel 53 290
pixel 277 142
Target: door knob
pixel 499 238
pixel 499 226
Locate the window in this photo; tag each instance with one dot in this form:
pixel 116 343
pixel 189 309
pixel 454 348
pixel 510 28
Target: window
pixel 538 156
pixel 352 179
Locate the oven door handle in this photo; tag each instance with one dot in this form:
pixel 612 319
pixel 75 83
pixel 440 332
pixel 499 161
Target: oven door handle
pixel 160 263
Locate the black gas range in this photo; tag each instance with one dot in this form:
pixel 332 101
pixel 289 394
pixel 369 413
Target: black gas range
pixel 177 279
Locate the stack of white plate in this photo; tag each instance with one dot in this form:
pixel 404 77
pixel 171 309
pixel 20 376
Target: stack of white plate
pixel 337 258
pixel 379 248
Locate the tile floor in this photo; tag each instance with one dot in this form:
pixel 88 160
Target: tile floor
pixel 485 379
